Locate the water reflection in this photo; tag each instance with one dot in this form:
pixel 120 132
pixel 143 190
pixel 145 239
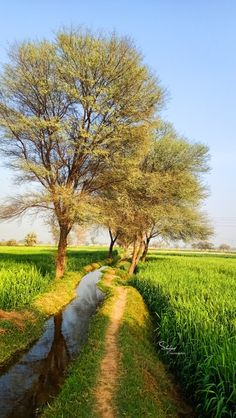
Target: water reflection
pixel 38 374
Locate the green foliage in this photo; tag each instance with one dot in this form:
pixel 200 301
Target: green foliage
pixel 139 365
pixel 224 247
pixel 77 395
pixel 161 195
pixel 203 245
pixel 173 152
pixel 86 255
pixel 11 243
pixel 123 265
pixel 174 188
pixel 35 265
pixel 20 284
pixel 145 388
pixel 31 239
pixel 24 274
pixel 69 111
pixel 193 300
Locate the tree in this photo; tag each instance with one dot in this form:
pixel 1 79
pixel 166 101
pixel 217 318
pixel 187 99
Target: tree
pixel 184 224
pixel 224 247
pixel 69 113
pixel 179 165
pixel 80 234
pixel 163 197
pixel 203 245
pixel 54 229
pixel 31 239
pixel 113 203
pixel 11 243
pixel 113 212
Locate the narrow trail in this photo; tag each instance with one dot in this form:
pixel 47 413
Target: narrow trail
pixel 106 384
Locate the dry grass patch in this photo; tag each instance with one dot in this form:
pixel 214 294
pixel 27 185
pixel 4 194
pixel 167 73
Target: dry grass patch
pixel 16 318
pixel 61 293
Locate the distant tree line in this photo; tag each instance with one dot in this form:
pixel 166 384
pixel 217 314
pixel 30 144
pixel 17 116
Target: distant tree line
pixel 30 240
pixel 205 245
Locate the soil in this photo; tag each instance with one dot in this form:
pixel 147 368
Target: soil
pixel 108 376
pixel 18 319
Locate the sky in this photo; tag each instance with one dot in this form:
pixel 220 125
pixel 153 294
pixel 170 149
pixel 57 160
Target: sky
pixel 191 47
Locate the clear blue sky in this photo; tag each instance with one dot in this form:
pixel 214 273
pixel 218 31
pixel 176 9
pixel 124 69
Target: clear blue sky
pixel 190 45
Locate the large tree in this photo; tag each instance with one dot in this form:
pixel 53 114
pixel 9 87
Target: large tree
pixel 177 216
pixel 113 203
pixel 163 197
pixel 69 112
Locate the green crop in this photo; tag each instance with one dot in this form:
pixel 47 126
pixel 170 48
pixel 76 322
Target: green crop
pixel 193 301
pixel 19 284
pixel 27 272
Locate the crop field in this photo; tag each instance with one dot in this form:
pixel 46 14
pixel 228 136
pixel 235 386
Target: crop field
pixel 27 272
pixel 193 302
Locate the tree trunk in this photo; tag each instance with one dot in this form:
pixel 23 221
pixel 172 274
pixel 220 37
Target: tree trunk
pixel 140 251
pixel 126 252
pixel 134 257
pixel 112 243
pixel 61 252
pixel 144 255
pixel 111 249
pixel 137 254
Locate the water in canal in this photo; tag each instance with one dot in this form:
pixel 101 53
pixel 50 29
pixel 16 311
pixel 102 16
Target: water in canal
pixel 38 374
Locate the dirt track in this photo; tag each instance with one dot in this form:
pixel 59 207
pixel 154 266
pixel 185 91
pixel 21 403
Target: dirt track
pixel 106 384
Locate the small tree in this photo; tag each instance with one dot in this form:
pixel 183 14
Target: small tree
pixel 31 239
pixel 224 247
pixel 80 233
pixel 11 243
pixel 203 245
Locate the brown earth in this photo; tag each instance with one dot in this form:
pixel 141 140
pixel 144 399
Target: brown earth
pixel 108 375
pixel 18 319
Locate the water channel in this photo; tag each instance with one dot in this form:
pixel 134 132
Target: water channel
pixel 38 374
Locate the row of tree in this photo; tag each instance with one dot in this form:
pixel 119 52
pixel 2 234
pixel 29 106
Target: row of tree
pixel 80 121
pixel 30 240
pixel 205 245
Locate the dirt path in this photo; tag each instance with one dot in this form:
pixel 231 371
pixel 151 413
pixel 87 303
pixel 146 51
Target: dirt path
pixel 110 364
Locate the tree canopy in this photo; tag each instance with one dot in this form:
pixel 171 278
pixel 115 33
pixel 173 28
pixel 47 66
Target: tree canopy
pixel 161 198
pixel 71 111
pixel 79 123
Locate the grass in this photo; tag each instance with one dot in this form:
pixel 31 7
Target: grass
pixel 26 272
pixel 144 387
pixel 19 284
pixel 193 302
pixel 76 398
pixel 29 293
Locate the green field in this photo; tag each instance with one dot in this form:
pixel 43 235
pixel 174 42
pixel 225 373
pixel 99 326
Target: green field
pixel 192 298
pixel 193 301
pixel 29 294
pixel 26 272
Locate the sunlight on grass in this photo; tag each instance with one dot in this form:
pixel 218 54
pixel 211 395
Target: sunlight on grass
pixel 193 301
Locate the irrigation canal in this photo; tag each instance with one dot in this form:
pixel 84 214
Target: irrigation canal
pixel 38 374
